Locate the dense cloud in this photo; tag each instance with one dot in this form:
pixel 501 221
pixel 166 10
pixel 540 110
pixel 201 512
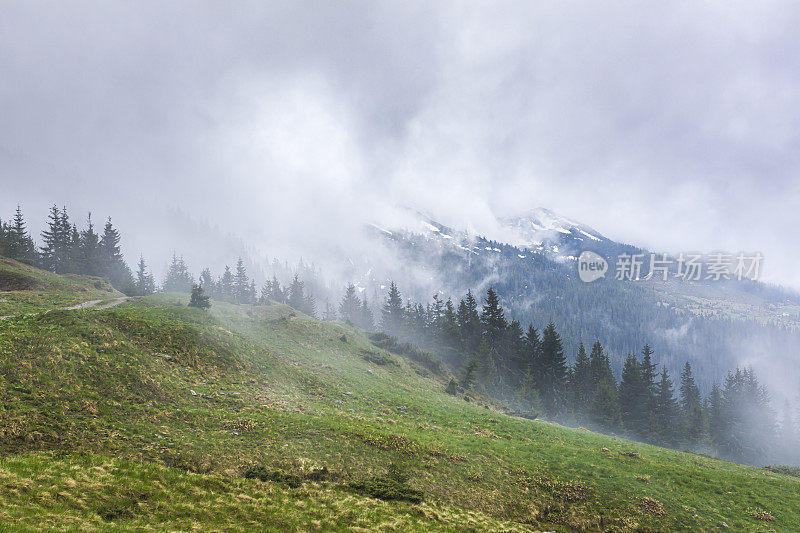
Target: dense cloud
pixel 672 126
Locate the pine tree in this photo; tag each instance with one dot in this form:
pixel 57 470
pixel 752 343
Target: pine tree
pixel 600 364
pixel 18 243
pixel 145 284
pixel 225 285
pixel 632 395
pixel 366 321
pixel 392 314
pixel 604 413
pixel 469 323
pixel 649 375
pixel 199 299
pixel 241 283
pixel 533 355
pixel 553 372
pixel 207 282
pixel 468 373
pixel 691 407
pixel 330 312
pixel 666 412
pixel 493 321
pixel 515 359
pixel 113 264
pixel 177 278
pixel 89 258
pixel 450 336
pixel 350 307
pixel 297 296
pixel 716 417
pixel 51 258
pixel 581 385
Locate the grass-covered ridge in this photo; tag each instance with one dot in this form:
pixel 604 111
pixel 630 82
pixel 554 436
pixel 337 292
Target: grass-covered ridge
pixel 25 289
pixel 156 384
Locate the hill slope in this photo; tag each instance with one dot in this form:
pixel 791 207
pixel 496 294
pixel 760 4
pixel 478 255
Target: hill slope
pixel 187 402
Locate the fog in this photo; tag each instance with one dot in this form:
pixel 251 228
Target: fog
pixel 287 125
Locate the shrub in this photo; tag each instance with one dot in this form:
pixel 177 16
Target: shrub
pixel 263 474
pixel 784 469
pixel 391 487
pixel 391 344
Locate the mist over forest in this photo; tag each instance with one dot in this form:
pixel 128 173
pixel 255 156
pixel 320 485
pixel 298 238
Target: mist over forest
pixel 325 245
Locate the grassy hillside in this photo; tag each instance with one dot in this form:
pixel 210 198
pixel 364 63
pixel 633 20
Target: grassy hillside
pixel 188 402
pixel 25 289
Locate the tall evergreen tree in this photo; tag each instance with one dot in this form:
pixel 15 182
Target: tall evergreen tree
pixel 514 363
pixel 604 413
pixel 582 384
pixel 553 372
pixel 493 321
pixel 225 290
pixel 691 405
pixel 366 320
pixel 533 355
pixel 241 283
pixel 207 282
pixel 297 296
pixel 52 258
pixel 392 315
pixel 350 306
pixel 177 278
pixel 113 264
pixel 469 323
pixel 198 298
pixel 18 243
pixel 89 258
pixel 145 284
pixel 633 395
pixel 666 412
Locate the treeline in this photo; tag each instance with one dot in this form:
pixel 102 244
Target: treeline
pixel 529 371
pixel 65 249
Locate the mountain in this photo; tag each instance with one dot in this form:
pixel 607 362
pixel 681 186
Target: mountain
pixel 531 261
pixel 152 415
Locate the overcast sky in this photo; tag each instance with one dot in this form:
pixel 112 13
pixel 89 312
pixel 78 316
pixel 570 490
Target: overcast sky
pixel 671 125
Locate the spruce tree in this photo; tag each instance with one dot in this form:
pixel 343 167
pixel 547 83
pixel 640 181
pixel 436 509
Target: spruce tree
pixel 18 243
pixel 113 264
pixel 366 321
pixel 553 372
pixel 52 238
pixel 514 362
pixel 632 395
pixel 533 355
pixel 297 296
pixel 225 285
pixel 493 321
pixel 666 412
pixel 604 413
pixel 350 306
pixel 716 417
pixel 392 315
pixel 177 278
pixel 582 384
pixel 691 408
pixel 469 323
pixel 145 283
pixel 241 283
pixel 89 258
pixel 330 313
pixel 199 299
pixel 207 282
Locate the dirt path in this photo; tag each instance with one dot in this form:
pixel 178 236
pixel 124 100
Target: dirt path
pixel 91 304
